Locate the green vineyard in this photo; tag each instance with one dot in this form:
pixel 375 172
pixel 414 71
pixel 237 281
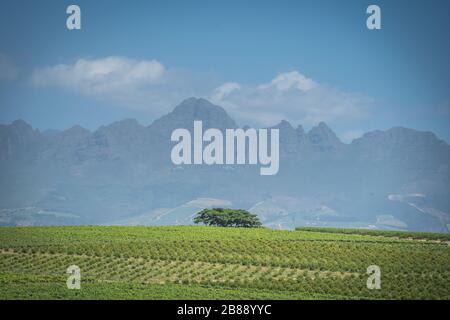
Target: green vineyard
pixel 219 263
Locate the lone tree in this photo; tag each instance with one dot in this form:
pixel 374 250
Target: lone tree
pixel 227 218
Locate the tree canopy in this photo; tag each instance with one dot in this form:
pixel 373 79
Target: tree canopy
pixel 227 218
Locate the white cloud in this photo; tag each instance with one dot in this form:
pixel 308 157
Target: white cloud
pixel 8 71
pixel 134 84
pixel 289 80
pixel 294 97
pixel 224 90
pixel 100 75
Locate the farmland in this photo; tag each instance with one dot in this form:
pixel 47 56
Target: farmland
pixel 219 263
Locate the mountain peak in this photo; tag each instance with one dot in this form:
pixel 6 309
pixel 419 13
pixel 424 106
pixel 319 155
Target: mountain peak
pixel 20 123
pixel 18 139
pixel 300 130
pixel 129 122
pixel 323 137
pixel 199 107
pixel 77 130
pixel 284 124
pixel 121 128
pixel 190 110
pixel 21 126
pixel 399 136
pixel 323 126
pixel 194 101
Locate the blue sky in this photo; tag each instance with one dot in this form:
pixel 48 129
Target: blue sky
pixel 304 61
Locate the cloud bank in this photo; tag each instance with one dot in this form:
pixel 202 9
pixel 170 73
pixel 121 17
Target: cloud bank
pixel 291 96
pixel 101 75
pixel 134 84
pixel 149 85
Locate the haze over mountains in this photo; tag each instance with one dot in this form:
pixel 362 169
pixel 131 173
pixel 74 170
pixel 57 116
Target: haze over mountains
pixel 122 174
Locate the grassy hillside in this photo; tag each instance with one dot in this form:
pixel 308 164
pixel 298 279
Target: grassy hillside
pixel 217 263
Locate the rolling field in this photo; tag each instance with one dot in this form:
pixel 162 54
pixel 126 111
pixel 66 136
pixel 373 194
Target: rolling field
pixel 219 263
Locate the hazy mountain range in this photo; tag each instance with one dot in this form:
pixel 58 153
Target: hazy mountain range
pixel 122 174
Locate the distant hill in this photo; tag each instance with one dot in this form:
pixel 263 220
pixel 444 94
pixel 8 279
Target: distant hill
pixel 123 171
